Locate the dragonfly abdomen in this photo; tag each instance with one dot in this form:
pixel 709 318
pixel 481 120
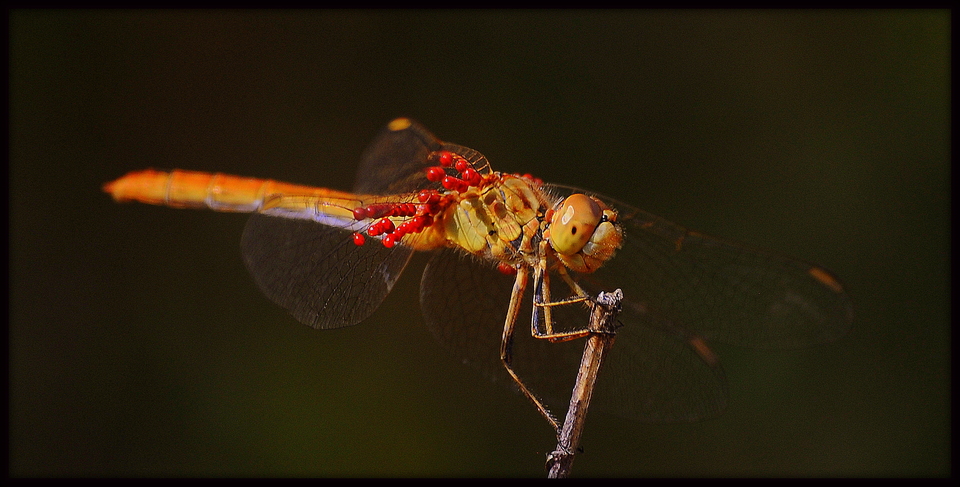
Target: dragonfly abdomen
pixel 201 190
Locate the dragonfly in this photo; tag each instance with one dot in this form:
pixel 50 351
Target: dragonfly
pixel 507 246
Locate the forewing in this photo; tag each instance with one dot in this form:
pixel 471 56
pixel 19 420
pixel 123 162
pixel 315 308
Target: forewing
pixel 691 285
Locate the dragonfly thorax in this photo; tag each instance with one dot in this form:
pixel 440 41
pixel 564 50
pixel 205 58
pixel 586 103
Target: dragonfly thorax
pixel 499 221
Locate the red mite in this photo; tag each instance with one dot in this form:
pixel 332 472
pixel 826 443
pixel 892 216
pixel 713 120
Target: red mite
pixel 422 214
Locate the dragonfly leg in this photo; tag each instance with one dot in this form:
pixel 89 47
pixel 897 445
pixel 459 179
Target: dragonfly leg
pixel 542 301
pixel 506 344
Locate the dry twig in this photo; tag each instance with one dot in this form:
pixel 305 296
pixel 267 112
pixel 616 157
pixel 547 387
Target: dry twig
pixel 603 332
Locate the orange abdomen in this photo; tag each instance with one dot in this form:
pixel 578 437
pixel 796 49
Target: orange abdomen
pixel 218 192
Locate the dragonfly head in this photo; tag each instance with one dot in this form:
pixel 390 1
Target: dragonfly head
pixel 584 233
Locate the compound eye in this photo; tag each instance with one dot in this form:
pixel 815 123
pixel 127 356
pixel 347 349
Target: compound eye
pixel 573 224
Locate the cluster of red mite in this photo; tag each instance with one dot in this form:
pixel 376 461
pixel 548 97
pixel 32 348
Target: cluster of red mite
pixel 431 202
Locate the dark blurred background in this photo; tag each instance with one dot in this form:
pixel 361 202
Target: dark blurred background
pixel 139 346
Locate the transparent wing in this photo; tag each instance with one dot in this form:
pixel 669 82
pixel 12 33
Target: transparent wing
pixel 682 290
pixel 689 284
pixel 648 375
pixel 316 271
pixel 464 301
pixel 396 160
